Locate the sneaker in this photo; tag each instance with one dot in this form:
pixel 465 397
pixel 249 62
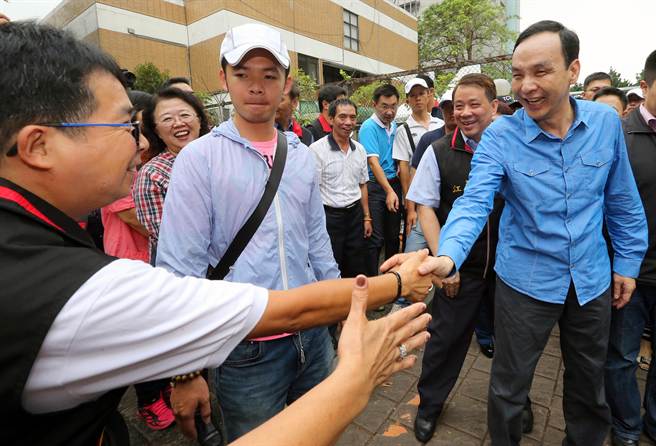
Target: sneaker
pixel 157 415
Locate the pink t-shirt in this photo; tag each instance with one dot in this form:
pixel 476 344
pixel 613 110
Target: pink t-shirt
pixel 268 150
pixel 120 239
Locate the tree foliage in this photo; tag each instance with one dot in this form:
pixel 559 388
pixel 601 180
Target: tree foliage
pixel 457 31
pixel 640 76
pixel 149 77
pixel 306 84
pixel 617 80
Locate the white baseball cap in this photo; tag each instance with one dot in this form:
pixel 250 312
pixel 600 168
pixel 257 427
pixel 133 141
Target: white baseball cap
pixel 241 39
pixel 635 91
pixel 416 81
pixel 447 96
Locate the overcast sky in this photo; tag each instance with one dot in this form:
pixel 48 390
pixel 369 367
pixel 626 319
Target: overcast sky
pixel 617 33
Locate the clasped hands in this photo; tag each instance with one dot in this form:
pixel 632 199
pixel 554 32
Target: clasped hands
pixel 418 270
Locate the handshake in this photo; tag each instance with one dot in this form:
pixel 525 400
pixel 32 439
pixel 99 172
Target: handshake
pixel 418 271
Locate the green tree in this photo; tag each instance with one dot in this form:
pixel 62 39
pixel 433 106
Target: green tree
pixel 640 76
pixel 617 80
pixel 458 31
pixel 149 77
pixel 306 84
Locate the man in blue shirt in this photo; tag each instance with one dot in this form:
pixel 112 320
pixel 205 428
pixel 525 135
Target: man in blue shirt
pixel 562 167
pixel 377 137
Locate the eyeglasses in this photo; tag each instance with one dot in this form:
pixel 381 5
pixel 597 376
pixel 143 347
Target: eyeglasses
pixel 136 131
pixel 184 117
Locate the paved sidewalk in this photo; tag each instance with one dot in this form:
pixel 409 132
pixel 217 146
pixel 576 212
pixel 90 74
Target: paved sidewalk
pixel 388 419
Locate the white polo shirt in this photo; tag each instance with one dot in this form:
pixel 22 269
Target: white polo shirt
pixel 340 173
pixel 86 354
pixel 402 150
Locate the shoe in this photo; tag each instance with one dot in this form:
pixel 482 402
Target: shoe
pixel 527 418
pixel 424 428
pixel 487 350
pixel 618 441
pixel 157 415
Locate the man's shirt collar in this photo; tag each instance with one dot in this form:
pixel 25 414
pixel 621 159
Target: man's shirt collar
pixel 325 125
pixel 532 130
pixel 648 117
pixel 334 146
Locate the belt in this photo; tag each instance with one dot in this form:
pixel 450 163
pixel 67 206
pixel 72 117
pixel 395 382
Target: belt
pixel 345 208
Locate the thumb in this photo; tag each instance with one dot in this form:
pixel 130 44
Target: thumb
pixel 359 297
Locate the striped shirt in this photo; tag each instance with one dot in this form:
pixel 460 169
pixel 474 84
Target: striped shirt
pixel 149 191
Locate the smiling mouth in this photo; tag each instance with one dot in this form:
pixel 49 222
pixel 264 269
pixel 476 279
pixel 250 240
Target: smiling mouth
pixel 181 133
pixel 533 101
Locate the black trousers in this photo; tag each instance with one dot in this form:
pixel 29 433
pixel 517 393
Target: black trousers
pixel 386 225
pixel 346 230
pixel 523 326
pixel 451 331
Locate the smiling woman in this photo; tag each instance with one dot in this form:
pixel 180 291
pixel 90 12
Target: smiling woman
pixel 172 120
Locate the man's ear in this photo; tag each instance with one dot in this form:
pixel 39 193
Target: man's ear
pixel 288 85
pixel 495 106
pixel 222 80
pixel 574 71
pixel 36 146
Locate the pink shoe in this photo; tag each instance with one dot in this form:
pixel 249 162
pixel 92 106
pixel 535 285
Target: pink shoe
pixel 157 415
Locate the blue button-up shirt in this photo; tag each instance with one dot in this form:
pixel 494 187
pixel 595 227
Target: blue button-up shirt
pixel 558 193
pixel 216 183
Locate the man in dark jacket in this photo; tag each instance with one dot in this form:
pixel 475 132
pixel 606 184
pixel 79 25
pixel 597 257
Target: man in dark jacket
pixel 628 323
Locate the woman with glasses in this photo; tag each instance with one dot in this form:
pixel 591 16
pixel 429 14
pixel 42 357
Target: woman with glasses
pixel 173 119
pixel 170 120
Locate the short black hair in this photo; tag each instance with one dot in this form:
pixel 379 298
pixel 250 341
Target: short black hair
pixel 329 93
pixel 385 90
pixel 650 69
pixel 149 125
pixel 427 79
pixel 596 76
pixel 140 99
pixel 569 41
pixel 332 110
pixel 612 91
pixel 45 73
pixel 175 80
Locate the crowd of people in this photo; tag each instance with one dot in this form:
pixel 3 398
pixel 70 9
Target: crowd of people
pixel 240 248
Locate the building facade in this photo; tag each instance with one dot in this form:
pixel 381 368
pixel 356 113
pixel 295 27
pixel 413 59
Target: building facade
pixel 184 36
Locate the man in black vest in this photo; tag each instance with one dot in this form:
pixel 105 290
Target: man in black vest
pixel 439 181
pixel 78 326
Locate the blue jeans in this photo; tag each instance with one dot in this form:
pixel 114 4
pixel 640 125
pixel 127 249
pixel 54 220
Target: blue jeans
pixel 622 393
pixel 259 378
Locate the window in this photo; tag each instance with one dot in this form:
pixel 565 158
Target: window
pixel 309 65
pixel 351 31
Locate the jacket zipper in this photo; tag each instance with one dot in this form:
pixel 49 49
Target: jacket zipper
pixel 281 243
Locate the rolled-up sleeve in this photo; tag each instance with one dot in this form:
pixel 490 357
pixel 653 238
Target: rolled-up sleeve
pixel 470 211
pixel 625 215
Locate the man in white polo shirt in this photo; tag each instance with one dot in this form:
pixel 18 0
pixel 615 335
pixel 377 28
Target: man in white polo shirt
pixel 342 171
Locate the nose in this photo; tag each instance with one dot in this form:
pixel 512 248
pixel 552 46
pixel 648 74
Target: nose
pixel 143 143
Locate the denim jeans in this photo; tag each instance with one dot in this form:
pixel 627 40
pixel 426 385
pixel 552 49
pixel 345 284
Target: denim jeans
pixel 259 378
pixel 622 393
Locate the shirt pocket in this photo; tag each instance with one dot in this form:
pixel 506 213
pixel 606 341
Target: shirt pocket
pixel 592 173
pixel 530 179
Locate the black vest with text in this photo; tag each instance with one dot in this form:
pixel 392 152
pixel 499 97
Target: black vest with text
pixel 44 257
pixel 454 162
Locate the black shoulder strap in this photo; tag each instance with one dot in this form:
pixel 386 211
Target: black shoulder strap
pixel 248 230
pixel 410 140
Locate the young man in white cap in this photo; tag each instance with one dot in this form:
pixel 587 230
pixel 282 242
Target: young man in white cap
pixel 214 188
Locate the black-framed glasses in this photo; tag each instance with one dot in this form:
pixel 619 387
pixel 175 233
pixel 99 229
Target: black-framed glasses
pixel 136 130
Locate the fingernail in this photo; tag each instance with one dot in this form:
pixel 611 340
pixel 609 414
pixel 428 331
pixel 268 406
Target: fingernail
pixel 360 281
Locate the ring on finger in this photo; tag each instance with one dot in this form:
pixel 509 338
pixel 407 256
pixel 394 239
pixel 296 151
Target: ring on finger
pixel 403 352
